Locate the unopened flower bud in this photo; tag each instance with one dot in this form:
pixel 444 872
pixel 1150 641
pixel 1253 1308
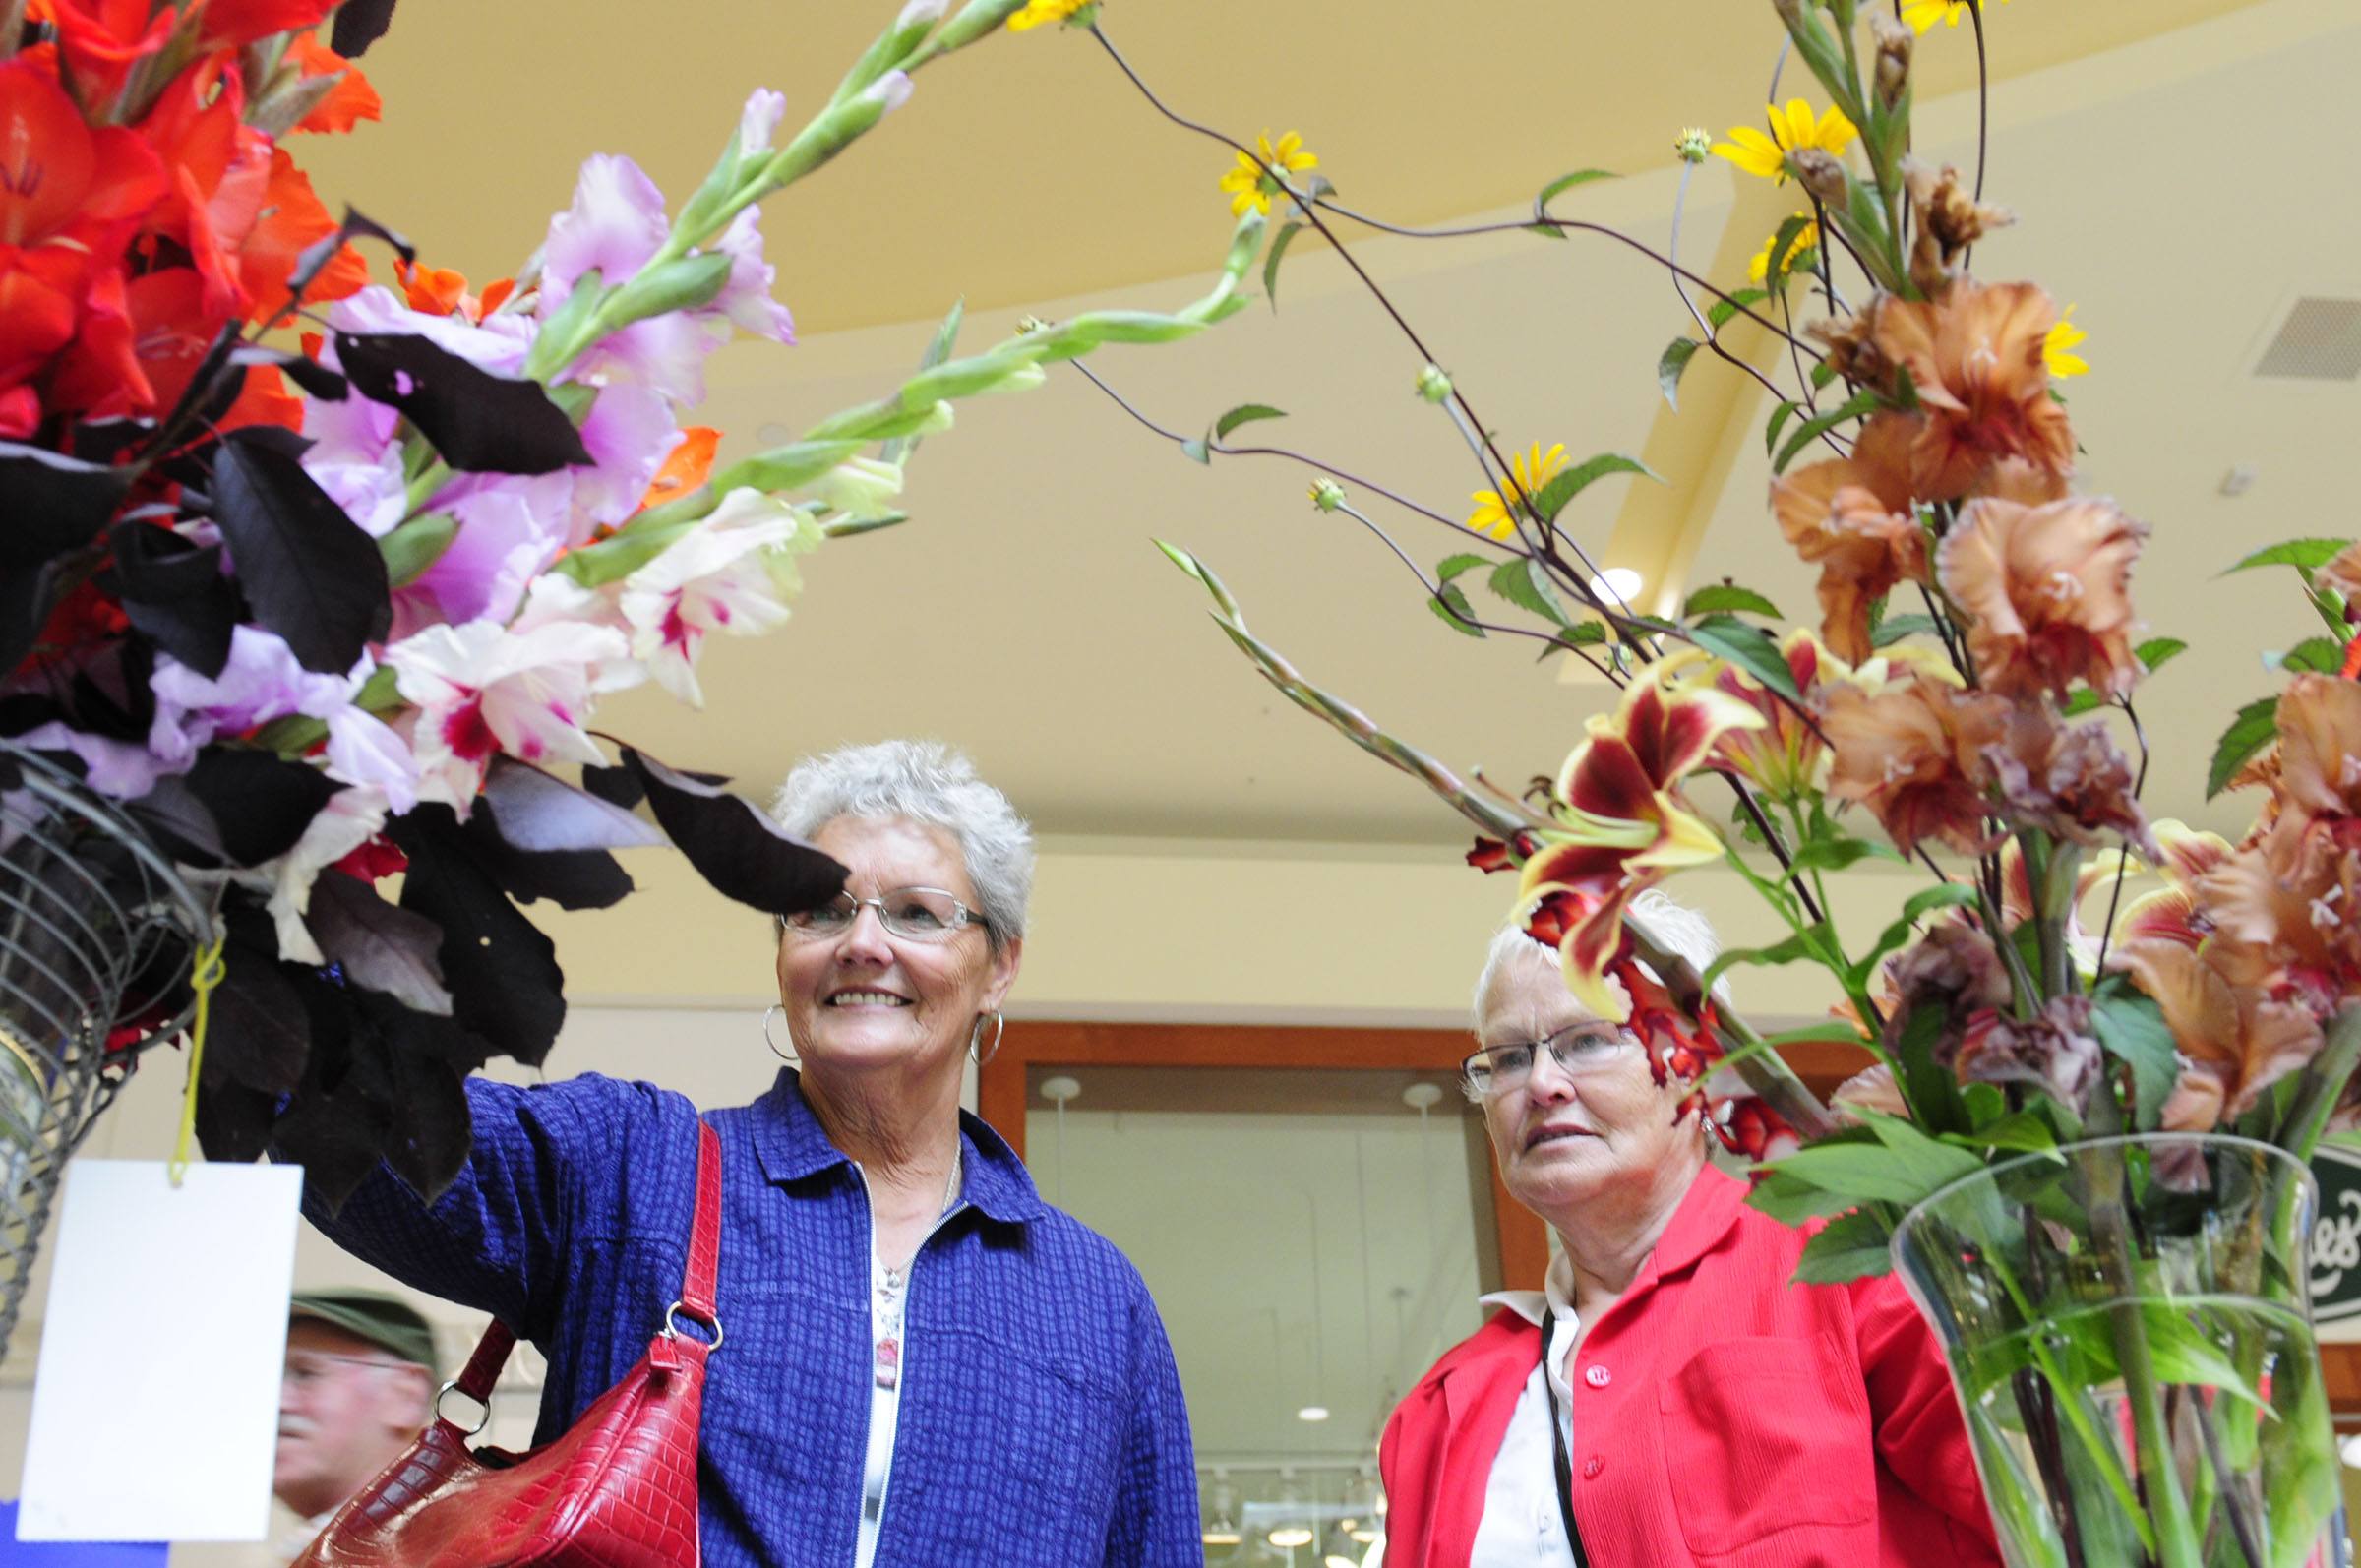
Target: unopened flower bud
pixel 1692 144
pixel 1027 326
pixel 921 12
pixel 1893 70
pixel 1327 493
pixel 1821 174
pixel 1433 384
pixel 892 90
pixel 1789 12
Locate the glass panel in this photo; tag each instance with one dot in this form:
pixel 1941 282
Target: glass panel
pixel 1313 1238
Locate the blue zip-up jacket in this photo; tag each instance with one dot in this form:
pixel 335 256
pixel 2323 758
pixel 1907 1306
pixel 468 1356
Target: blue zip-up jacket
pixel 1041 1424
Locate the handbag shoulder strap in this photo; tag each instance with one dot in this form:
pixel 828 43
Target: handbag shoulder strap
pixel 701 1282
pixel 698 1286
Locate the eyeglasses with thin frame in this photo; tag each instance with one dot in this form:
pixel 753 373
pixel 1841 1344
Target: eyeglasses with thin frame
pixel 1588 1047
pixel 306 1367
pixel 914 914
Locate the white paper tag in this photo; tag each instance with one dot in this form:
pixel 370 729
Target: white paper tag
pixel 155 1399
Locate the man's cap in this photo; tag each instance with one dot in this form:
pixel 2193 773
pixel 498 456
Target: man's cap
pixel 385 1321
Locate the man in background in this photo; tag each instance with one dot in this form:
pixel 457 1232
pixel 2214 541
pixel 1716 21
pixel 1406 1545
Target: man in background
pixel 360 1383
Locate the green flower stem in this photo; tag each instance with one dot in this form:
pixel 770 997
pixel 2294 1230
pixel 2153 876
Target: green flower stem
pixel 2323 1081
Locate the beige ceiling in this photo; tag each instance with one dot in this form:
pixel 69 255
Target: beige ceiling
pixel 2174 163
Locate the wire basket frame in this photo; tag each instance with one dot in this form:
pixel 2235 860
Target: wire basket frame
pixel 96 933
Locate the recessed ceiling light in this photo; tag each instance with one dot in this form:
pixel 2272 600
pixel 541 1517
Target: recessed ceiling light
pixel 1312 1412
pixel 1617 582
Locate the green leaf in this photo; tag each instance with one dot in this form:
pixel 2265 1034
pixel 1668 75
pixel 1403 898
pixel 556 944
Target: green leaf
pixel 1195 449
pixel 2156 652
pixel 1784 242
pixel 1671 363
pixel 1778 418
pixel 1852 1246
pixel 1800 944
pixel 1791 1200
pixel 1729 596
pixel 1270 263
pixel 1920 904
pixel 1586 634
pixel 1835 854
pixel 2318 656
pixel 1521 584
pixel 2305 555
pixel 2132 1028
pixel 1822 374
pixel 2249 732
pixel 1861 403
pixel 1722 310
pixel 1750 648
pixel 1244 413
pixel 1567 182
pixel 1453 566
pixel 1904 1166
pixel 1451 607
pixel 415 546
pixel 2081 701
pixel 1552 497
pixel 1893 628
pixel 2021 1132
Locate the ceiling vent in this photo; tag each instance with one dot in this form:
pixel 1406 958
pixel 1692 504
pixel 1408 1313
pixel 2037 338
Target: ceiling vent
pixel 2319 341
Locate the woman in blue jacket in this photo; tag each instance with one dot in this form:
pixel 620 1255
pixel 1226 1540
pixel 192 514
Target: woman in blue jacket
pixel 924 1364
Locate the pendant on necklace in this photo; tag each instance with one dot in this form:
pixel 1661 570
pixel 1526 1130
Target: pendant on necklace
pixel 889 1361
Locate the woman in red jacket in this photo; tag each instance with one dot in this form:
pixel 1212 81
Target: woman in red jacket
pixel 1693 1406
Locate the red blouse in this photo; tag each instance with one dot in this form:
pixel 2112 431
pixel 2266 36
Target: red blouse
pixel 1721 1416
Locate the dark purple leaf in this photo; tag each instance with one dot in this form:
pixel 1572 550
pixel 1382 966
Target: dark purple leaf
pixel 380 946
pixel 301 369
pixel 736 848
pixel 437 1038
pixel 260 802
pixel 572 878
pixel 26 596
pixel 359 24
pixel 173 590
pixel 428 1144
pixel 336 1135
pixel 234 1123
pixel 617 785
pixel 539 812
pixel 311 573
pixel 316 256
pixel 258 1037
pixel 502 971
pixel 183 826
pixel 479 422
pixel 53 504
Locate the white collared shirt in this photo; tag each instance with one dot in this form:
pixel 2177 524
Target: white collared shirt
pixel 1521 1526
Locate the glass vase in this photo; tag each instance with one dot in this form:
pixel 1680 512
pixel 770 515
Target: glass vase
pixel 2128 1329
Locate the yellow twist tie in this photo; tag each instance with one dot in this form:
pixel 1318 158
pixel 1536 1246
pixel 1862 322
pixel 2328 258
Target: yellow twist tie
pixel 203 976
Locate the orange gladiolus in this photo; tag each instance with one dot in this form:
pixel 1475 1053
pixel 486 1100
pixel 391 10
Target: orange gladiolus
pixel 351 101
pixel 1975 359
pixel 292 220
pixel 685 468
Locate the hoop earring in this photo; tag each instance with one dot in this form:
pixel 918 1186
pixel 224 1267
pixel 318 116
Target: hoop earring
pixel 977 1050
pixel 787 1057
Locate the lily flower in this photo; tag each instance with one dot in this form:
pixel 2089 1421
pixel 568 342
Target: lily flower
pixel 1622 823
pixel 2170 913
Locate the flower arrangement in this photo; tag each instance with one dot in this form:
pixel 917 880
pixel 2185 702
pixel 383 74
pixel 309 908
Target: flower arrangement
pixel 323 577
pixel 2074 1139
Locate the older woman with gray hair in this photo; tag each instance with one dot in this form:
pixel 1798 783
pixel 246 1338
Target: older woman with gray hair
pixel 1670 1396
pixel 926 1363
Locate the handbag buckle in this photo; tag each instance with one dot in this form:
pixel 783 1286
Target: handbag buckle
pixel 481 1421
pixel 680 1309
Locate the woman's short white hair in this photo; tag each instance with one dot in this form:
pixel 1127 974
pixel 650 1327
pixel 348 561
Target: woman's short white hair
pixel 1667 923
pixel 928 782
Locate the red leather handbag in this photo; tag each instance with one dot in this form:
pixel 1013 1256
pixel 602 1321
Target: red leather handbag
pixel 617 1490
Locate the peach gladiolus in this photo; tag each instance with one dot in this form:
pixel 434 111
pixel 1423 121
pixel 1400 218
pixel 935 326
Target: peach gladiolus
pixel 1911 754
pixel 1851 516
pixel 2048 589
pixel 1975 359
pixel 2233 1033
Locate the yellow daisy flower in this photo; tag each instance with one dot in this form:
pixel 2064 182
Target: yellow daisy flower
pixel 1809 239
pixel 1924 14
pixel 2057 349
pixel 1246 184
pixel 1792 130
pixel 1495 516
pixel 1037 12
